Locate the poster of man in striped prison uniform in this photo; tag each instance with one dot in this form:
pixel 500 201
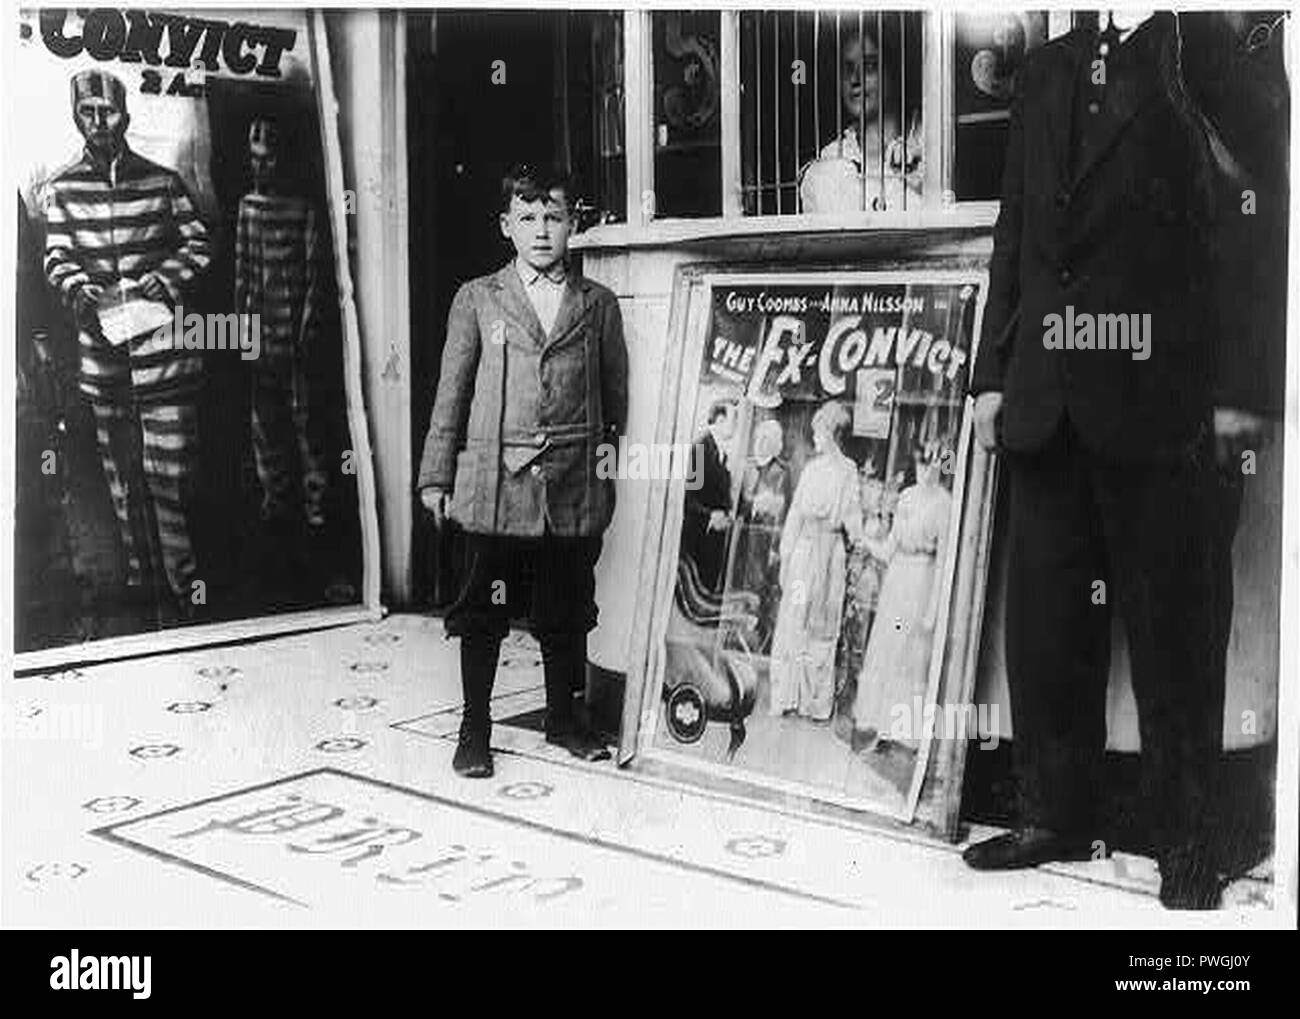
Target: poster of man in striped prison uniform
pixel 278 270
pixel 121 227
pixel 194 445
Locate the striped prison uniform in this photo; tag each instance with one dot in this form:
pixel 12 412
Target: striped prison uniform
pixel 133 219
pixel 278 272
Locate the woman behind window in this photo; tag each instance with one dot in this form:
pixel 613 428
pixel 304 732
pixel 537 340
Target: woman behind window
pixel 833 182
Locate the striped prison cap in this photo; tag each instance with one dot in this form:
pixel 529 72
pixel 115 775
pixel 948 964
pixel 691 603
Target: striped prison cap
pixel 99 85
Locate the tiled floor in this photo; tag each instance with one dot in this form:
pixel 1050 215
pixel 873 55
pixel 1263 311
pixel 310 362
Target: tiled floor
pixel 306 781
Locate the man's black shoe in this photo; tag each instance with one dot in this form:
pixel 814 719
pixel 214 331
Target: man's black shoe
pixel 580 743
pixel 1027 847
pixel 1188 881
pixel 473 758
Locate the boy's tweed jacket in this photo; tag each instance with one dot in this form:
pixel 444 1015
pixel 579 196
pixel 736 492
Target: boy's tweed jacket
pixel 519 415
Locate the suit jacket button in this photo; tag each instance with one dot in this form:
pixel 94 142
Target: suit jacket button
pixel 540 438
pixel 537 471
pixel 1066 277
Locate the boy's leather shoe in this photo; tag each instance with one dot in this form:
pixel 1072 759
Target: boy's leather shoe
pixel 1188 881
pixel 1027 847
pixel 580 743
pixel 473 757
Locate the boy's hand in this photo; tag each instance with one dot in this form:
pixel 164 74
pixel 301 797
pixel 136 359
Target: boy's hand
pixel 435 501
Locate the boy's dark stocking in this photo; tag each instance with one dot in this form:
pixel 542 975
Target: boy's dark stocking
pixel 564 660
pixel 478 669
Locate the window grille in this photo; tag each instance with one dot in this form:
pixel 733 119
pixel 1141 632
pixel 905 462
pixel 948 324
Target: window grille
pixel 830 111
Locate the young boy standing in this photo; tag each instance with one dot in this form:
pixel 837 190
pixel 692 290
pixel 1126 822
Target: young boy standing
pixel 534 380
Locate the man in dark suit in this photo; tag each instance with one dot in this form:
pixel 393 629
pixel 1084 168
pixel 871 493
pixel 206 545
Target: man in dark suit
pixel 708 497
pixel 1115 190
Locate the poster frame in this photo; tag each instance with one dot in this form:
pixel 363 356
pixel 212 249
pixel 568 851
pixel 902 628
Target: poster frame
pixel 933 797
pixel 368 608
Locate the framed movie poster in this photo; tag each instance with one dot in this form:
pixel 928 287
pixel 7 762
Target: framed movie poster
pixel 192 461
pixel 805 578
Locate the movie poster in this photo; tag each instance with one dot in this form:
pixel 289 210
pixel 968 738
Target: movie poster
pixel 184 454
pixel 816 548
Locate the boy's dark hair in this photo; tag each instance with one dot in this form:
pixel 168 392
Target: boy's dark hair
pixel 531 184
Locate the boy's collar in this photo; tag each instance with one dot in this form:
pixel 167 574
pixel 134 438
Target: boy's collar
pixel 557 273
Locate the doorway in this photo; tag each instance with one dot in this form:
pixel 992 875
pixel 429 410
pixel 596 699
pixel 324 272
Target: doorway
pixel 481 95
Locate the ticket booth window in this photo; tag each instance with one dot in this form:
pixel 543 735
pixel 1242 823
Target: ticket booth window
pixel 687 114
pixel 597 113
pixel 830 111
pixel 988 51
pixel 718 115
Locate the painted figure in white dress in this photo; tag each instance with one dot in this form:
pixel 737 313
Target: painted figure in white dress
pixel 896 666
pixel 825 511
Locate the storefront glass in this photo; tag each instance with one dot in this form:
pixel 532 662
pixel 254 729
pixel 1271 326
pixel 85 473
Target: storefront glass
pixel 687 114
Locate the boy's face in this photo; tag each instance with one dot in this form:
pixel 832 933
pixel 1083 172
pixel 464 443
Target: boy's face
pixel 539 230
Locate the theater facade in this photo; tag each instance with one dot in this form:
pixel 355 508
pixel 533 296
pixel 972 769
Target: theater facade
pixel 795 210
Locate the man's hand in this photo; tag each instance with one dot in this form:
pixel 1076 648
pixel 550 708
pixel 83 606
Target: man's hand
pixel 87 299
pixel 1236 431
pixel 151 287
pixel 435 501
pixel 987 408
pixel 718 520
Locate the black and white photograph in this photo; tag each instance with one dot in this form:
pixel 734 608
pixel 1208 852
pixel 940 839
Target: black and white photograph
pixel 657 467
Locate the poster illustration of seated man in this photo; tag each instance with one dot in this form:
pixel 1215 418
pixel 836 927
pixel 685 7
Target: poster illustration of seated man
pixel 182 428
pixel 813 564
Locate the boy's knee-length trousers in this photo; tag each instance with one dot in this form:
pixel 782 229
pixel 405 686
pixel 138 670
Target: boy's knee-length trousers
pixel 561 571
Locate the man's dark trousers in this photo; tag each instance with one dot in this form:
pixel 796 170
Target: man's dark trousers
pixel 1148 531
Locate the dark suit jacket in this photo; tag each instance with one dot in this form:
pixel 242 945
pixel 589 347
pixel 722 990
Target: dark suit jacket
pixel 714 491
pixel 707 548
pixel 1128 232
pixel 520 416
